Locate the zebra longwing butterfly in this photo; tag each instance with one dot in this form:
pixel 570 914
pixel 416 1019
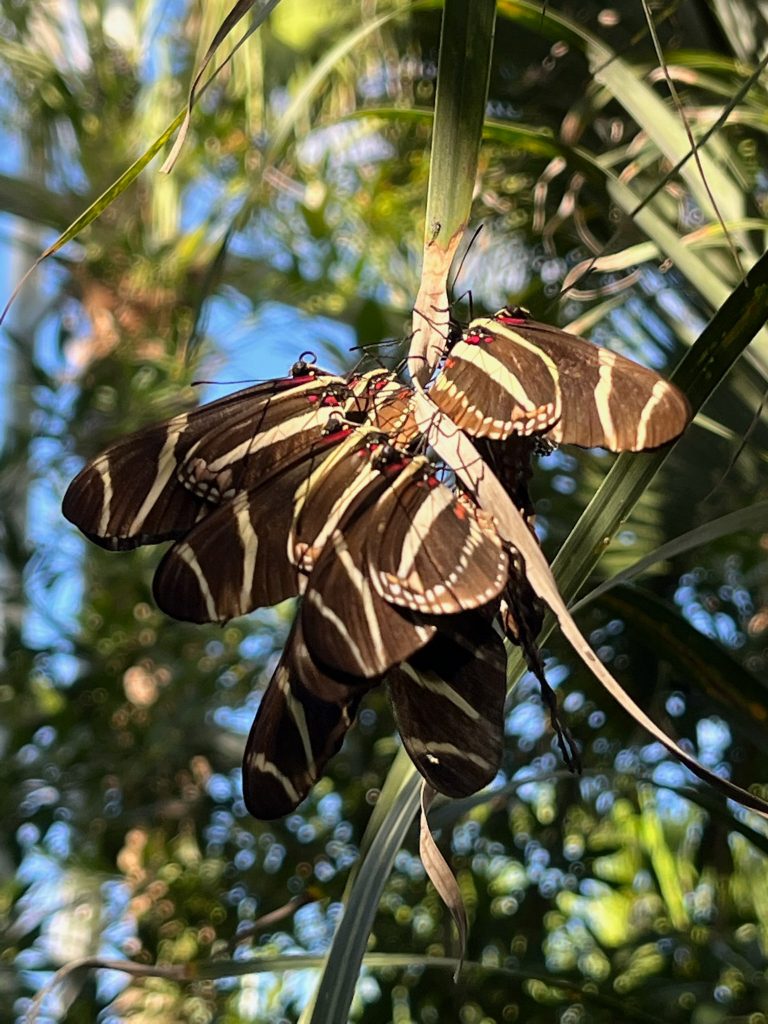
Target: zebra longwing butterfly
pixel 156 483
pixel 509 374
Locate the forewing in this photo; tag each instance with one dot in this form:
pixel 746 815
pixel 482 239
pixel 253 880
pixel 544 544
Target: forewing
pixel 236 559
pixel 448 701
pixel 608 401
pixel 133 493
pixel 346 478
pixel 237 455
pixel 347 625
pixel 292 738
pixel 130 495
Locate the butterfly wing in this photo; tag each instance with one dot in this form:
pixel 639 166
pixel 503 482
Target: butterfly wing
pixel 236 559
pixel 608 401
pixel 510 374
pixel 294 735
pixel 147 488
pixel 347 625
pixel 494 385
pixel 448 701
pixel 430 553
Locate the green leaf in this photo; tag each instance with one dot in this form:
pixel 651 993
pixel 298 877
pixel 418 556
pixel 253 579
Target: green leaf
pixel 753 518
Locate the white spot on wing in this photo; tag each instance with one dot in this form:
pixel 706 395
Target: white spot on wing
pixel 432 751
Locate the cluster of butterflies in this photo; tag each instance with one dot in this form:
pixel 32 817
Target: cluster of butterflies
pixel 320 486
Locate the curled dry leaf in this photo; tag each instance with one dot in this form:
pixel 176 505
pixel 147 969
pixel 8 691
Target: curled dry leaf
pixel 440 874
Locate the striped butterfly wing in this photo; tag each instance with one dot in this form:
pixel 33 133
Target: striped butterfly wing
pixel 294 735
pixel 322 682
pixel 132 493
pixel 511 374
pixel 321 500
pixel 448 701
pixel 237 455
pixel 236 559
pixel 347 625
pixel 495 386
pixel 608 401
pixel 430 553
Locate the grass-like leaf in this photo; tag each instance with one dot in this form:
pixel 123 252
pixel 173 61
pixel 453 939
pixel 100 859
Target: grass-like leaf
pixel 752 518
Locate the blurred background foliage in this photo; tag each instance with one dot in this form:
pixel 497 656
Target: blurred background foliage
pixel 293 221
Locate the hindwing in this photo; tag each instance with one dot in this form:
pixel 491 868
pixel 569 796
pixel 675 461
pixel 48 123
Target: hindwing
pixel 494 386
pixel 448 702
pixel 430 553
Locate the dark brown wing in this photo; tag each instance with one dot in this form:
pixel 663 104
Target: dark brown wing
pixel 495 385
pixel 133 492
pixel 608 401
pixel 430 553
pixel 448 701
pixel 237 558
pixel 510 374
pixel 293 737
pixel 347 626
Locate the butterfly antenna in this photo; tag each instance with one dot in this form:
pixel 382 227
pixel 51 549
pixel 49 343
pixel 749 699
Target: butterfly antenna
pixel 457 275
